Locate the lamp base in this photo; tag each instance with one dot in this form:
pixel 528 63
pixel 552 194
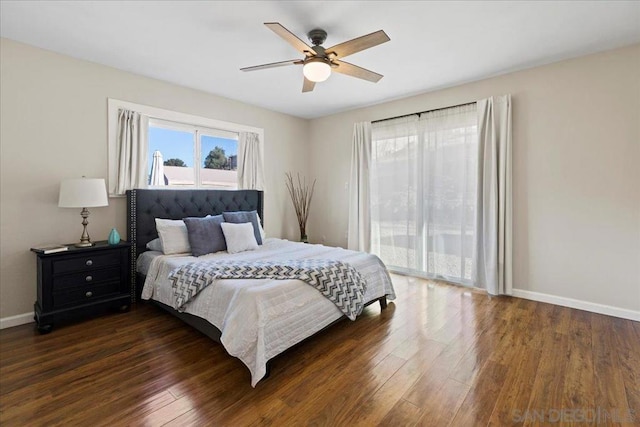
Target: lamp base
pixel 85 240
pixel 84 244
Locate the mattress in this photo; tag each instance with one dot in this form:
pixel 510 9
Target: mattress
pixel 260 318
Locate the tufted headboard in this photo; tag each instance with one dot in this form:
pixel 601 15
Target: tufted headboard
pixel 143 206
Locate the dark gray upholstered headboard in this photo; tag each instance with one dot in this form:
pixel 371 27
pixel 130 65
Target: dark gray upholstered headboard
pixel 143 206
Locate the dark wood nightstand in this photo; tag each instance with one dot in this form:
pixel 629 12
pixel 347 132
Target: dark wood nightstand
pixel 82 281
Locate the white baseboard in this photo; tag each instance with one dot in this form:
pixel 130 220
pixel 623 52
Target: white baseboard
pixel 20 319
pixel 580 305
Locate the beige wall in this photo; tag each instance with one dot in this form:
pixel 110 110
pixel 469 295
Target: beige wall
pixel 576 157
pixel 53 122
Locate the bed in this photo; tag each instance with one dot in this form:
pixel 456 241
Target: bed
pixel 254 319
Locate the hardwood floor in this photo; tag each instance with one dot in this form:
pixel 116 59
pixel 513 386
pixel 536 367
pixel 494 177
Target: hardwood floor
pixel 439 355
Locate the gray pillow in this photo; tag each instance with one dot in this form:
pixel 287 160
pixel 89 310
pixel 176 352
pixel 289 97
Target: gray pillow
pixel 205 235
pixel 245 216
pixel 155 245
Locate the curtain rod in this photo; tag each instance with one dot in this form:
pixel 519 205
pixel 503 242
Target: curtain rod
pixel 422 112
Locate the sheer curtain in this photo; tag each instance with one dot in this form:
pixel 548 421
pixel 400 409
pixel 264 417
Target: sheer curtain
pixel 395 231
pixel 424 177
pixel 131 148
pixel 250 172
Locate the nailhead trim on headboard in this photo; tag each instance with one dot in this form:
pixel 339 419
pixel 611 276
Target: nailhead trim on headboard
pixel 131 233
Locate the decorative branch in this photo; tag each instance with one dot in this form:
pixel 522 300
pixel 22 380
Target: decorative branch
pixel 301 196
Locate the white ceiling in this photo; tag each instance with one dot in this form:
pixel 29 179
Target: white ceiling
pixel 433 44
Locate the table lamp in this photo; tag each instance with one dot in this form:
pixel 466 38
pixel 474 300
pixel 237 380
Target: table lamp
pixel 83 193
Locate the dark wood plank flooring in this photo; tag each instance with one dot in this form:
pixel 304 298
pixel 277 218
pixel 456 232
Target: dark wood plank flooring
pixel 439 355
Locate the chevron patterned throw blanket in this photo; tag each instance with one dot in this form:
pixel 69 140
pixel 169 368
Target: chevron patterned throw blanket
pixel 337 281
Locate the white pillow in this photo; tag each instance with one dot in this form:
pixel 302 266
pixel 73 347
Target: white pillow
pixel 155 245
pixel 173 235
pixel 239 237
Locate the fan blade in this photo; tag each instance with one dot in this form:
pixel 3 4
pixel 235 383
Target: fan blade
pixel 356 45
pixel 273 65
pixel 308 85
pixel 291 38
pixel 355 71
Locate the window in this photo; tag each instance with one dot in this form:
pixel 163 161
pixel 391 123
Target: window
pixel 423 190
pixel 191 156
pixel 197 152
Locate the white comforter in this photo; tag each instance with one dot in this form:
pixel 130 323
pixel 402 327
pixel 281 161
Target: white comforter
pixel 261 318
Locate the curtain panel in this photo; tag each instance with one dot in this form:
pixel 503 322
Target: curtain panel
pixel 131 148
pixel 359 236
pixel 424 193
pixel 494 264
pixel 394 176
pixel 250 170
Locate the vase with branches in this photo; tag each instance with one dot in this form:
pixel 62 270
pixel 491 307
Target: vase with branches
pixel 301 194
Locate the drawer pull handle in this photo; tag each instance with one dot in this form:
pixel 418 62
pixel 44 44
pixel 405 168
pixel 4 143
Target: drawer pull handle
pixel 89 262
pixel 89 294
pixel 88 278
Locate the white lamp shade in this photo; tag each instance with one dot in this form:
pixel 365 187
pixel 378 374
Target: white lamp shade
pixel 83 193
pixel 316 70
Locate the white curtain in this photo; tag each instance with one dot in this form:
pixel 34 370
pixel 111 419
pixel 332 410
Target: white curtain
pixel 250 171
pixel 132 147
pixel 359 237
pixel 394 175
pixel 424 193
pixel 494 242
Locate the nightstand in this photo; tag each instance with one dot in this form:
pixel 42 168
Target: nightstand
pixel 82 281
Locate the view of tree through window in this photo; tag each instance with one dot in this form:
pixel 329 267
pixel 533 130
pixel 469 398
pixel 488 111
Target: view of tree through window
pixel 175 162
pixel 218 159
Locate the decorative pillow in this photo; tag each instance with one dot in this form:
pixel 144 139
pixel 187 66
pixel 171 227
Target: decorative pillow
pixel 205 234
pixel 155 245
pixel 239 237
pixel 173 235
pixel 263 235
pixel 245 216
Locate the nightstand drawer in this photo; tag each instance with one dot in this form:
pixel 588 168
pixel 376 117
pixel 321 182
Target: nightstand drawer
pixel 86 278
pixel 85 294
pixel 89 261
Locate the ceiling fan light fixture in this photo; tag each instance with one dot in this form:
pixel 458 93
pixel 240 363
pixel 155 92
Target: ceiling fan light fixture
pixel 317 70
pixel 318 60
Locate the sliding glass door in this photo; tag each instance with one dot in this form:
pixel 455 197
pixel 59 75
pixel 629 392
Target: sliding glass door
pixel 424 193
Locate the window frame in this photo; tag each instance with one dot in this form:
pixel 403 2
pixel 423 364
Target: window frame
pixel 160 114
pixel 198 133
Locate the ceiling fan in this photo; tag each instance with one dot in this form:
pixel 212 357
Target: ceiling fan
pixel 318 61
